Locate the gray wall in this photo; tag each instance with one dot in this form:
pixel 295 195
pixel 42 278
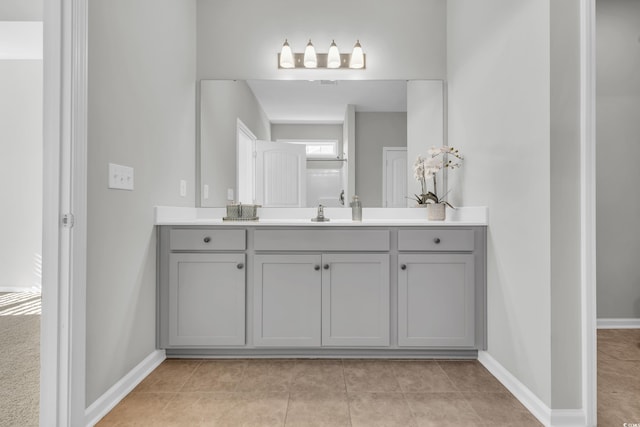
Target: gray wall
pixel 20 174
pixel 566 325
pixel 374 131
pixel 240 39
pixel 499 118
pixel 618 154
pixel 222 103
pixel 142 99
pixel 21 10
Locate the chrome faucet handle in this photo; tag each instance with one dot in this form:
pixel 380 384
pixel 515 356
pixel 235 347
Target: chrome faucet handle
pixel 320 211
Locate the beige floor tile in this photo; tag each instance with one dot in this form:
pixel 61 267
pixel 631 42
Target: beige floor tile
pixel 256 410
pixel 138 409
pixel 470 375
pixel 216 375
pixel 200 409
pixel 379 410
pixel 267 376
pixel 620 376
pixel 621 344
pixel 499 408
pixel 318 409
pixel 441 409
pixel 318 375
pixel 421 376
pixel 170 376
pixel 624 405
pixel 370 376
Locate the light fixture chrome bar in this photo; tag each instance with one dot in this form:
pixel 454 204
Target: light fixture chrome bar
pixel 345 59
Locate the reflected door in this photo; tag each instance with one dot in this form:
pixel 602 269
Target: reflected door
pixel 394 177
pixel 281 171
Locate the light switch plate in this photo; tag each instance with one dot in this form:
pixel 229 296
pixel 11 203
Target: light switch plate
pixel 120 177
pixel 183 188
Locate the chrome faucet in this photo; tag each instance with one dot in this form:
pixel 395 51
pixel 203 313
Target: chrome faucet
pixel 320 217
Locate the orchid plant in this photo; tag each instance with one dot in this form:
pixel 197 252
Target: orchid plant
pixel 427 168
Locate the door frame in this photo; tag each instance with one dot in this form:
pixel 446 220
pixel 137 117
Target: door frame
pixel 588 207
pixel 63 321
pixel 242 128
pixel 64 250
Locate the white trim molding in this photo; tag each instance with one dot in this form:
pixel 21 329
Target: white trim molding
pixel 124 386
pixel 619 323
pixel 544 414
pixel 63 334
pixel 530 401
pixel 588 207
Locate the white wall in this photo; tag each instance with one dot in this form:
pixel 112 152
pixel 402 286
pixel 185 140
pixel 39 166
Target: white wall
pixel 241 39
pixel 618 155
pixel 373 132
pixel 222 103
pixel 20 174
pixel 141 113
pixel 307 131
pixel 499 98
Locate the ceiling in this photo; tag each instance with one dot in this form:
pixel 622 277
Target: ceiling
pixel 325 101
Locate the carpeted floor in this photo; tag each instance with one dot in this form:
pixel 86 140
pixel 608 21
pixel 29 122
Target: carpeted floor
pixel 19 359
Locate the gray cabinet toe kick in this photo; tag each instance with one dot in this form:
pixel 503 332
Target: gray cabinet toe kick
pixel 379 291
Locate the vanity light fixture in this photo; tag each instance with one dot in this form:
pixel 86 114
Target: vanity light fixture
pixel 287 59
pixel 333 57
pixel 310 58
pixel 286 56
pixel 357 57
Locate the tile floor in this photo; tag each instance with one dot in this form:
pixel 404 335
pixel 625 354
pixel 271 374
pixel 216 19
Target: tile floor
pixel 319 393
pixel 618 377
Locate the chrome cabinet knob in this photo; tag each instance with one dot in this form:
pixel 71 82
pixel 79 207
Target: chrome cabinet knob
pixel 240 266
pixel 403 267
pixel 316 267
pixel 436 240
pixel 326 266
pixel 207 239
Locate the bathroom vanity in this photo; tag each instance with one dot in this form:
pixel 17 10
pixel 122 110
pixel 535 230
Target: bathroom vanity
pixel 383 287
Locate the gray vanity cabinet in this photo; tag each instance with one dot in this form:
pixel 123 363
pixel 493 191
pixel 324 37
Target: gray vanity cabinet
pixel 355 300
pixel 206 299
pixel 287 290
pixel 436 300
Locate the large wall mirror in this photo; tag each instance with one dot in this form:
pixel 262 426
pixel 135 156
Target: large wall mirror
pixel 284 143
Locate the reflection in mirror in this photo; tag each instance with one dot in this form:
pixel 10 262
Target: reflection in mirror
pixel 302 143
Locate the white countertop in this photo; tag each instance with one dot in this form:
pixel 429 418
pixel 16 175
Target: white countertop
pixel 339 217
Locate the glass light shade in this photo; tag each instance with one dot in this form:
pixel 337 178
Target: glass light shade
pixel 357 57
pixel 333 58
pixel 286 56
pixel 310 59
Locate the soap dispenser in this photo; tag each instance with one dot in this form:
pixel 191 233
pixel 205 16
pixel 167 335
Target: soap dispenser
pixel 356 209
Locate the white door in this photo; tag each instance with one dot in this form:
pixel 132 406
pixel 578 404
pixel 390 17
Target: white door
pixel 394 177
pixel 281 171
pixel 245 193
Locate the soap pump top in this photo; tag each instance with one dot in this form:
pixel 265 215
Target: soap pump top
pixel 356 209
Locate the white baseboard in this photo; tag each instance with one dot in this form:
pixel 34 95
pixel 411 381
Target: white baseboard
pixel 544 414
pixel 119 390
pixel 19 289
pixel 618 323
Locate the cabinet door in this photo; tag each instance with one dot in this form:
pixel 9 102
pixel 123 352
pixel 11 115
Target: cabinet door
pixel 287 291
pixel 206 299
pixel 436 300
pixel 355 300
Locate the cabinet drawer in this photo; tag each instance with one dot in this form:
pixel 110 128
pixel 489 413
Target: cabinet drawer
pixel 207 239
pixel 436 240
pixel 321 240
